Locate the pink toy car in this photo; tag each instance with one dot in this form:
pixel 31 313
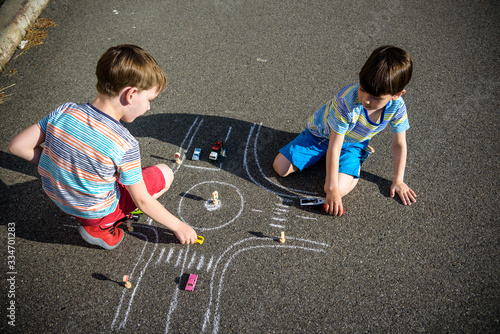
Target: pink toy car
pixel 191 282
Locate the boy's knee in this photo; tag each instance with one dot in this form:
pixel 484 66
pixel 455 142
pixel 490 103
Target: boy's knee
pixel 282 166
pixel 277 168
pixel 168 174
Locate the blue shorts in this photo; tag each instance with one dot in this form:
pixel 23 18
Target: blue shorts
pixel 306 149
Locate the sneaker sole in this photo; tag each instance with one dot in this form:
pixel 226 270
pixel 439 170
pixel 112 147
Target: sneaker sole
pixel 96 241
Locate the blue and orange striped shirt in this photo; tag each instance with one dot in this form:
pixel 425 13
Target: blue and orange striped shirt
pixel 346 115
pixel 85 153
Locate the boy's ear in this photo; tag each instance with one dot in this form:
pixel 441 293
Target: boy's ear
pixel 128 94
pixel 398 95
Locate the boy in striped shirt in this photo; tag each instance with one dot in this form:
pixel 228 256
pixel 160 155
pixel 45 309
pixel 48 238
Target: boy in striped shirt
pixel 90 164
pixel 343 127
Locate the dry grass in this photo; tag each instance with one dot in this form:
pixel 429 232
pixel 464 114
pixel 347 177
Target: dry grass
pixel 4 97
pixel 37 33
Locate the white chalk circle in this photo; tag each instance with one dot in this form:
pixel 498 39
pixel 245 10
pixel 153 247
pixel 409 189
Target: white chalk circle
pixel 197 209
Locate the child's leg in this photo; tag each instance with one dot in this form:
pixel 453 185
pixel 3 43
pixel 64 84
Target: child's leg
pixel 302 152
pixel 346 183
pixel 283 166
pixel 168 176
pixel 351 158
pixel 105 232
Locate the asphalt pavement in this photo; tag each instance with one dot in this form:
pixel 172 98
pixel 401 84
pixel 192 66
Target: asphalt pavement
pixel 251 73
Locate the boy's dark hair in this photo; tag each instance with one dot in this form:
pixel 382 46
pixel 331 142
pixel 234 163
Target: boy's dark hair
pixel 386 72
pixel 128 65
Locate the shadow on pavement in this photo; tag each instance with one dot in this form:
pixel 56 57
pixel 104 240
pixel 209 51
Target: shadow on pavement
pixel 251 150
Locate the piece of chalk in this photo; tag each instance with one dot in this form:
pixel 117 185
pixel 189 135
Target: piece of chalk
pixel 282 238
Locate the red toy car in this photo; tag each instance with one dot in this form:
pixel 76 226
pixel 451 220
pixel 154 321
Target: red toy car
pixel 217 151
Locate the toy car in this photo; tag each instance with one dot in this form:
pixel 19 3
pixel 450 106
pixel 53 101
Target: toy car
pixel 196 154
pixel 310 202
pixel 199 240
pixel 317 204
pixel 217 151
pixel 191 282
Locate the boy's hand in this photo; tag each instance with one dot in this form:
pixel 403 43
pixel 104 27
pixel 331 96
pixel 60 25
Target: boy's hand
pixel 333 203
pixel 405 193
pixel 185 233
pixel 156 211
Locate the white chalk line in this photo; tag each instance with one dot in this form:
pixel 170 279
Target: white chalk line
pixel 209 266
pixel 176 166
pixel 204 168
pixel 305 217
pixel 169 256
pixel 277 226
pixel 200 262
pixel 206 320
pixel 193 257
pixel 138 281
pixel 245 165
pixel 160 257
pixel 191 141
pixel 174 302
pixel 262 172
pixel 282 210
pixel 310 241
pixel 227 136
pixel 117 313
pixel 179 258
pixel 216 320
pixel 216 227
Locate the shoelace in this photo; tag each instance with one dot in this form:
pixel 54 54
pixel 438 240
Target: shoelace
pixel 112 228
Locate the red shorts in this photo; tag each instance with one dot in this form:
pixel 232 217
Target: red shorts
pixel 155 182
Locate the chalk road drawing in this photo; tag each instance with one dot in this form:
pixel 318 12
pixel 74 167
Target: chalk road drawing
pixel 139 279
pixel 174 302
pixel 176 166
pixel 262 173
pixel 216 266
pixel 216 317
pixel 179 210
pixel 182 150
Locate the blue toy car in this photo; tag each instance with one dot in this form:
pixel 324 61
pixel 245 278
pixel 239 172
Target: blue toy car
pixel 196 154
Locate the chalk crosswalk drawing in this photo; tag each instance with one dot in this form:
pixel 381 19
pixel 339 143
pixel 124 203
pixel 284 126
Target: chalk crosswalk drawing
pixel 181 258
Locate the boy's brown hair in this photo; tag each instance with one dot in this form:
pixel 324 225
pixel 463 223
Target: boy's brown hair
pixel 128 65
pixel 386 72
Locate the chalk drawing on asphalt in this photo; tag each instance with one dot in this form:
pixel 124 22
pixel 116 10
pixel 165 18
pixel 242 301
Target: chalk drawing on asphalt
pixel 182 259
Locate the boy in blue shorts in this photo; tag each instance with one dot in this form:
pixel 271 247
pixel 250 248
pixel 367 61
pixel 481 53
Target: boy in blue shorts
pixel 90 164
pixel 343 127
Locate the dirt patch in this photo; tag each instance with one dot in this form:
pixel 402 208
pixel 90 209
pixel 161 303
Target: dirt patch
pixel 37 33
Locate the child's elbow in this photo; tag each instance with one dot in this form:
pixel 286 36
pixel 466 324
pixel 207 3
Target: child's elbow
pixel 19 149
pixel 14 148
